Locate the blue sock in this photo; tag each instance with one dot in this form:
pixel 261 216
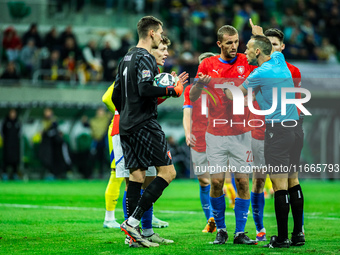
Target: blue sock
pixel 205 201
pixel 124 206
pixel 233 182
pixel 147 217
pixel 218 210
pixel 241 213
pixel 257 205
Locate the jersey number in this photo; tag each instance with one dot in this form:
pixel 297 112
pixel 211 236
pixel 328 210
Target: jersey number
pixel 250 156
pixel 125 79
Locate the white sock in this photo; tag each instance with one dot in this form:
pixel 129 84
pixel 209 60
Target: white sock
pixel 148 232
pixel 237 233
pixel 110 215
pixel 133 222
pixel 224 229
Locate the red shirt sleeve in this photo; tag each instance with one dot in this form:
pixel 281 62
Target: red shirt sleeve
pixel 202 68
pixel 187 102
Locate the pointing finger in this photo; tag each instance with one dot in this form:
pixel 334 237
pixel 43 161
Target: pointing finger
pixel 251 22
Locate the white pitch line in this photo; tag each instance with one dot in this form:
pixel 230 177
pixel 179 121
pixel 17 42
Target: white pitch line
pixel 51 207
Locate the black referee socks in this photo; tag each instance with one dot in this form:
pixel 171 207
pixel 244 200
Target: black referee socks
pixel 150 196
pixel 132 196
pixel 281 211
pixel 296 202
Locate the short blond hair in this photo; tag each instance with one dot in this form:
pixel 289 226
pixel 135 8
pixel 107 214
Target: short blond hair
pixel 205 55
pixel 226 29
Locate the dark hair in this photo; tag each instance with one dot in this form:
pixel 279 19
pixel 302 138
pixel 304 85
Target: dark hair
pixel 147 23
pixel 166 41
pixel 263 43
pixel 274 32
pixel 227 29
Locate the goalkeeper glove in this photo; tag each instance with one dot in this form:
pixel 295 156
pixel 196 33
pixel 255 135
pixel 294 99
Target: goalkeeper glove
pixel 175 91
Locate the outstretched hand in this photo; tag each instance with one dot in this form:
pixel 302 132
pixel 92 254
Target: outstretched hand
pixel 256 30
pixel 203 79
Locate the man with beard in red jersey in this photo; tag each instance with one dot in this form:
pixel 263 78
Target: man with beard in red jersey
pixel 228 136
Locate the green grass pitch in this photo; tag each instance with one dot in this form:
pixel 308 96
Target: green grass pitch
pixel 66 217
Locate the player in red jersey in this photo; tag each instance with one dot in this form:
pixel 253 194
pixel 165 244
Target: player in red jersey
pixel 296 196
pixel 195 125
pixel 228 136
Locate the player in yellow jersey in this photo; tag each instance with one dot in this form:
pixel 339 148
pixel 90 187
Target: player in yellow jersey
pixel 113 187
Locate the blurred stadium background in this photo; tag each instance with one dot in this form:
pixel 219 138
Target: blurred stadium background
pixel 58 57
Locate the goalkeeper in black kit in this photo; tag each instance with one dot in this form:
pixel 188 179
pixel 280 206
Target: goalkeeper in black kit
pixel 142 139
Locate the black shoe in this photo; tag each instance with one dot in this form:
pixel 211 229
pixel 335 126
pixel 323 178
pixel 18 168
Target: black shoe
pixel 242 238
pixel 275 244
pixel 297 240
pixel 221 237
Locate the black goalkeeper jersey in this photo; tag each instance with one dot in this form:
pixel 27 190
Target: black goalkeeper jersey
pixel 137 66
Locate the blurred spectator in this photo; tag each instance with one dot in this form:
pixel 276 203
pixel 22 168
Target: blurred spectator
pixel 289 17
pixel 70 47
pixel 32 34
pixel 113 40
pixel 109 58
pixel 93 62
pixel 11 145
pixel 11 44
pixel 10 72
pixel 188 60
pixel 307 28
pixel 126 43
pixel 82 159
pixel 206 35
pixel 310 47
pixel 71 58
pixel 99 125
pixel 28 56
pixel 53 64
pixel 66 34
pixel 294 39
pixel 51 40
pixel 327 51
pixel 333 26
pixel 241 20
pixel 53 151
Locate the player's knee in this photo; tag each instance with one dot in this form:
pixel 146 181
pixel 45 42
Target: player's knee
pixel 203 182
pixel 216 184
pixel 242 186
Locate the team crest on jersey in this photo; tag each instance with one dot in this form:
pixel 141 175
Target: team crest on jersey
pixel 169 155
pixel 240 69
pixel 146 73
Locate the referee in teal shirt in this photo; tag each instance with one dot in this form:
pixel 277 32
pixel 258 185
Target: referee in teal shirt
pixel 272 72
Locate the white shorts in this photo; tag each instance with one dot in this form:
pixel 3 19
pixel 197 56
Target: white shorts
pixel 257 147
pixel 199 162
pixel 121 171
pixel 236 149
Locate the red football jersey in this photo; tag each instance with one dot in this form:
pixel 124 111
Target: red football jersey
pixel 220 107
pixel 115 127
pixel 297 80
pixel 199 122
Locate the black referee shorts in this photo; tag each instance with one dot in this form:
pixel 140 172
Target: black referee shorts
pixel 146 147
pixel 298 145
pixel 278 147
